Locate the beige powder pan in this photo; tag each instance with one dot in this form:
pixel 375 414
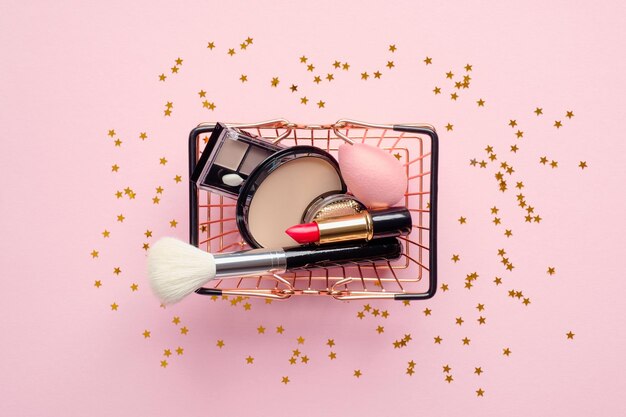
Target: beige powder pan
pixel 278 192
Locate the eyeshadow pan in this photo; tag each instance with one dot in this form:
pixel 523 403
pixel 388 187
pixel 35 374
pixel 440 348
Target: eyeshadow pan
pixel 253 158
pixel 231 153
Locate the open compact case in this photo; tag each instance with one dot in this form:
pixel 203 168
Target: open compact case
pixel 276 184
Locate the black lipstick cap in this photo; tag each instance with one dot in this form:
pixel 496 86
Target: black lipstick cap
pixel 393 221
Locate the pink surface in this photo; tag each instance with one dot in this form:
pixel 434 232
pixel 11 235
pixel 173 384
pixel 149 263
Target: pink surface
pixel 71 72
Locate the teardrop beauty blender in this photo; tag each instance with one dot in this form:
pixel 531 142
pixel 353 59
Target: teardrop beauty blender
pixel 372 174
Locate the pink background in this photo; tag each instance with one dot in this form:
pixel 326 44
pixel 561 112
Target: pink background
pixel 71 71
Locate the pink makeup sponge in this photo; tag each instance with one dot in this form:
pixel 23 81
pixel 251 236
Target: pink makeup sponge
pixel 372 174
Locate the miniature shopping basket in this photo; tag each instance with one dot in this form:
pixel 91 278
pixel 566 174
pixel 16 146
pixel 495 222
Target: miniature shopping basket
pixel 412 277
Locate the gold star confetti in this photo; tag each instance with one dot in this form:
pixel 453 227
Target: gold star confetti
pixel 512 123
pixel 468 67
pixel 300 340
pixel 449 378
pixel 479 392
pixel 115 168
pixel 285 380
pixel 357 373
pixel 220 344
pixel 162 77
pixel 134 287
pixel 449 75
pixel 455 258
pixel 570 335
pixel 364 76
pixel 211 45
pixel 543 160
pixel 114 306
pixel 243 45
pixel 178 179
pixel 558 124
pixel 331 342
pixel 459 321
pixel 427 311
pixel 184 330
pixel 293 88
pixel 176 320
pixel 497 280
pixel 249 40
pixel 569 114
pixel 94 253
pixel 506 351
pixel 118 142
pixel 310 67
pixel 481 320
pixel 164 364
pixel 519 134
pixel 321 104
pixel 162 161
pixel 260 330
pixel 173 223
pixel 481 103
pixel 390 64
pixel 380 329
pixel 330 77
pixel 438 340
pixel 174 70
pixel 554 164
pixel 143 136
pixel 304 100
pixel 582 164
pixel 345 66
pixel 120 218
pixel 280 329
pixel 428 60
pixel 249 360
pixel 437 90
pixel 202 93
pixel 155 200
pixel 303 59
pixel 146 334
pixel 508 233
pixel 454 96
pixel 179 350
pixel 392 48
pixel 444 287
pixel 462 220
pixel 117 270
pixel 275 81
pixel 97 283
pixel 538 111
pixel 111 132
pixel 514 148
pixel 167 353
pixel 449 127
pixel 378 74
pixel 466 341
pixel 304 359
pixel 551 270
pixel 231 52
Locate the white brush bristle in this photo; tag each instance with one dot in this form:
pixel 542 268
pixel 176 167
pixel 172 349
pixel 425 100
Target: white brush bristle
pixel 176 269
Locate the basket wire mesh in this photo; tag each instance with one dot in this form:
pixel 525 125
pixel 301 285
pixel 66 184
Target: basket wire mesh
pixel 413 276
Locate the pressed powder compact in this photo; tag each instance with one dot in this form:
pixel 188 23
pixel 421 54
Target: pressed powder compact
pixel 228 159
pixel 280 189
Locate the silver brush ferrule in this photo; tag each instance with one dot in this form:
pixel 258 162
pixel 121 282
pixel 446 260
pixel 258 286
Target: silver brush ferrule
pixel 250 262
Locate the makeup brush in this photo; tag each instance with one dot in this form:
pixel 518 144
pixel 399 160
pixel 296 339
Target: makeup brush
pixel 176 269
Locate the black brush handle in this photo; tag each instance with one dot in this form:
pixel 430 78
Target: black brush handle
pixel 311 257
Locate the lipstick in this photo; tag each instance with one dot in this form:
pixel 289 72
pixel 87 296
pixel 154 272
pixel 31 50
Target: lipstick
pixel 366 225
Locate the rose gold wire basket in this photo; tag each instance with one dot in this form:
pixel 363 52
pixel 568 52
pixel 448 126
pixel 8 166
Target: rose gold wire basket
pixel 212 224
